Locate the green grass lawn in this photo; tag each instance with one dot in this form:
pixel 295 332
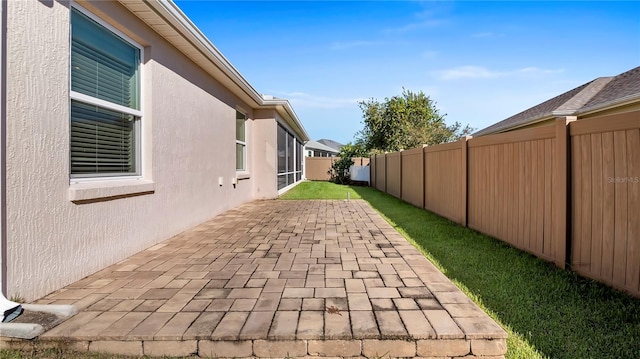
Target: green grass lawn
pixel 321 190
pixel 548 312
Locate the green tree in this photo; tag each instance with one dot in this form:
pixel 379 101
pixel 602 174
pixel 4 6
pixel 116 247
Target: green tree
pixel 340 169
pixel 403 122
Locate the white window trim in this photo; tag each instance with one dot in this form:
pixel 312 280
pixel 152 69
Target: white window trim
pixel 91 188
pixel 244 172
pixel 104 104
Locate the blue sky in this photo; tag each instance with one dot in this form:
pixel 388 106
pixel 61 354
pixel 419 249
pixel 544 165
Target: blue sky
pixel 481 62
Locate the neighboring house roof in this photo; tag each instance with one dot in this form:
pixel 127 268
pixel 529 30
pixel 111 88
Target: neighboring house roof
pixel 331 143
pixel 313 145
pixel 622 88
pixel 164 17
pixel 594 95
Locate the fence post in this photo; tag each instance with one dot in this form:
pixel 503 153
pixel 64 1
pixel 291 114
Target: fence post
pixel 372 171
pixel 561 190
pixel 385 172
pixel 465 180
pixel 400 170
pixel 423 172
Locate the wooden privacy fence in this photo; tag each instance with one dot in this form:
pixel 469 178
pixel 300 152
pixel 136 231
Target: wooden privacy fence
pixel 605 206
pixel 567 192
pixel 317 168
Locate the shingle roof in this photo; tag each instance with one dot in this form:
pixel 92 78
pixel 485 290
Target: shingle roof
pixel 622 86
pixel 319 146
pixel 331 143
pixel 591 95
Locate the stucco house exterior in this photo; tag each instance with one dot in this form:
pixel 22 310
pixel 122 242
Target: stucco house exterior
pixel 123 125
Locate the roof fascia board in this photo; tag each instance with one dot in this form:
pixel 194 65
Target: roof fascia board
pixel 284 108
pixel 171 13
pixel 319 146
pixel 518 126
pixel 624 101
pixel 179 21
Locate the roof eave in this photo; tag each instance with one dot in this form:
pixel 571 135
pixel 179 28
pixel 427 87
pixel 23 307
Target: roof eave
pixel 284 108
pixel 517 126
pixel 619 102
pixel 179 22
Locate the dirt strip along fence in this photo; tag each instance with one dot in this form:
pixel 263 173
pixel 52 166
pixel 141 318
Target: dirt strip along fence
pixel 568 192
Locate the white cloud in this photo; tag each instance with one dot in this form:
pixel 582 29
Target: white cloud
pixel 305 100
pixel 486 34
pixel 415 26
pixel 479 72
pixel 351 44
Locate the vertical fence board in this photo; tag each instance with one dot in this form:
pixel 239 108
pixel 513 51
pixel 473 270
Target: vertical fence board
pixel 492 187
pixel 413 177
pixel 547 248
pixel 633 204
pixel 539 233
pixel 528 160
pixel 381 172
pixel 608 207
pixel 521 194
pixel 471 188
pixel 585 163
pixel 372 171
pixel 484 186
pixel 511 193
pixel 596 200
pixel 444 184
pixel 393 181
pixel 502 217
pixel 620 225
pixel 576 210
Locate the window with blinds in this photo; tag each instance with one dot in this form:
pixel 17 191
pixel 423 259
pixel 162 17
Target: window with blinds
pixel 105 101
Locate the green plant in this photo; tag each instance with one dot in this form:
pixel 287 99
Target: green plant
pixel 340 170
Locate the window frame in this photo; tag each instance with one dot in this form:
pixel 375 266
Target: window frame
pixel 241 143
pixel 138 114
pixel 293 155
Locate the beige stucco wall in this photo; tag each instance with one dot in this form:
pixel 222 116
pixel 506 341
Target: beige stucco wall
pixel 264 150
pixel 188 140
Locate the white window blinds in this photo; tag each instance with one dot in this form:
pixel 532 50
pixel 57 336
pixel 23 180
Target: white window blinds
pixel 105 101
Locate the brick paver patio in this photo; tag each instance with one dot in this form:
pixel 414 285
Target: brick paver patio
pixel 278 279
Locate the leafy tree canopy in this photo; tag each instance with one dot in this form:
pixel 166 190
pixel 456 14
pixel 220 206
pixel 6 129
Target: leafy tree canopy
pixel 403 122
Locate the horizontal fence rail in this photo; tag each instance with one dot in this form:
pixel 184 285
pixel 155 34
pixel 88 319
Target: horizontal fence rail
pixel 567 192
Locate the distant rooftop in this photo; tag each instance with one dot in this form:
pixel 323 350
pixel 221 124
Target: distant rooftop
pixel 593 95
pixel 331 143
pixel 319 146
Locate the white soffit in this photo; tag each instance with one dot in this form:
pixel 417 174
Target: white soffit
pixel 167 19
pixel 164 17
